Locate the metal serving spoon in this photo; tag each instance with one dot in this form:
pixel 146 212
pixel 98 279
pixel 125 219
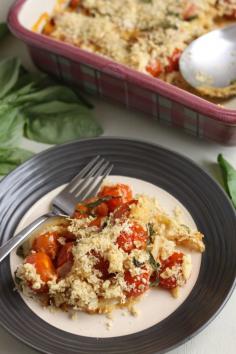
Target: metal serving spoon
pixel 210 60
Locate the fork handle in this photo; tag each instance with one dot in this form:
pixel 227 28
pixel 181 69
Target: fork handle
pixel 22 235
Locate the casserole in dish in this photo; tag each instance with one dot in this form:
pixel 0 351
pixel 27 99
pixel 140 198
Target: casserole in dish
pixel 102 76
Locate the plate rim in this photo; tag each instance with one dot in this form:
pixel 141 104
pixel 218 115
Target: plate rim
pixel 158 147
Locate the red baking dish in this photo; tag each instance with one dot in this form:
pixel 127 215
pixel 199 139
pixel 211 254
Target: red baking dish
pixel 110 80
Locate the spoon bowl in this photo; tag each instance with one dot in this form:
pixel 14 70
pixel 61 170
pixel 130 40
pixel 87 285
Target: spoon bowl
pixel 210 60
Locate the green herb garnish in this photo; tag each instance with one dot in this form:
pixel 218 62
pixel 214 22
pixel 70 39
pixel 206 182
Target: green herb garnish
pixel 99 201
pixel 191 18
pixel 151 232
pixel 18 281
pixel 229 177
pixel 155 265
pixel 155 282
pixel 20 251
pixel 137 263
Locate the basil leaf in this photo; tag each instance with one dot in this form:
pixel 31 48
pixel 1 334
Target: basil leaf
pixel 58 122
pixel 18 281
pixel 99 201
pixel 11 158
pixel 11 126
pixel 150 229
pixel 229 177
pixel 155 282
pixel 51 93
pixel 137 263
pixel 3 30
pixel 9 73
pixel 155 265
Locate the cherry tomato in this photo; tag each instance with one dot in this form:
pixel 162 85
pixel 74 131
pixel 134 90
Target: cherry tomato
pixel 49 27
pixel 173 61
pixel 231 16
pixel 81 211
pixel 102 209
pixel 96 222
pixel 44 267
pixel 123 210
pixel 121 193
pixel 171 282
pixel 136 239
pixel 64 269
pixel 190 11
pixel 74 4
pixel 155 69
pixel 102 265
pixel 175 258
pixel 139 283
pixel 47 243
pixel 65 254
pixel 69 236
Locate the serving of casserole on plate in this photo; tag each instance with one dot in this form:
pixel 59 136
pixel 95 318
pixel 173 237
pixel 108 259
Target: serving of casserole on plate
pixel 109 253
pixel 116 246
pixel 132 62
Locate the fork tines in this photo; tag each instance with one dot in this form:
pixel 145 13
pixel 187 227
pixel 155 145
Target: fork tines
pixel 89 180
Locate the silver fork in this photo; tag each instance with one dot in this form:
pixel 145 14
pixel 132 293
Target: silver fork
pixel 82 186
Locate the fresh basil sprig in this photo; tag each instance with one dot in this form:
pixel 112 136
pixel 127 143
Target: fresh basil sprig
pixel 229 177
pixel 38 108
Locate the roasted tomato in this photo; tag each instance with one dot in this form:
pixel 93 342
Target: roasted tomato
pixel 176 259
pixel 74 4
pixel 135 238
pixel 102 209
pixel 231 14
pixel 173 61
pixel 98 221
pixel 81 211
pixel 44 267
pixel 138 284
pixel 102 265
pixel 64 269
pixel 121 194
pixel 65 254
pixel 49 27
pixel 155 69
pixel 190 12
pixel 123 210
pixel 47 243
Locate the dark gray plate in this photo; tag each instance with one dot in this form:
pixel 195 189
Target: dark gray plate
pixel 204 199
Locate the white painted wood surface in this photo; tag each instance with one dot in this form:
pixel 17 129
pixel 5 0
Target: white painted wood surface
pixel 220 336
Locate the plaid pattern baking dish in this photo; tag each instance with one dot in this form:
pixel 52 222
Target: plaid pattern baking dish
pixel 102 77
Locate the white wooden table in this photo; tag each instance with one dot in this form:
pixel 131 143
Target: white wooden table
pixel 220 336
